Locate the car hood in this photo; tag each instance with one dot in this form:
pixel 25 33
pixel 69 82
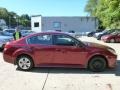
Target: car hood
pixel 96 45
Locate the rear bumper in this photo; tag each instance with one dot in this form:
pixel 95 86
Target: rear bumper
pixel 8 58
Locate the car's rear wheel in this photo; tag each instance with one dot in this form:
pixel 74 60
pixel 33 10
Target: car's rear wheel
pixel 97 64
pixel 24 63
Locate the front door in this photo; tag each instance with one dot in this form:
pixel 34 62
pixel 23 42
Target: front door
pixel 66 50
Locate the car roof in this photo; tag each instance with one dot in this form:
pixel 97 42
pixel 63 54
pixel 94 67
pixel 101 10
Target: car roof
pixel 55 32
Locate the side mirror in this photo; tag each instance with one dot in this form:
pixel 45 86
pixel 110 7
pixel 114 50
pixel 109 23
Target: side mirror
pixel 77 44
pixel 81 45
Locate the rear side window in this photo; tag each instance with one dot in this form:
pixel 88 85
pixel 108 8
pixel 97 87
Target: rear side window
pixel 40 39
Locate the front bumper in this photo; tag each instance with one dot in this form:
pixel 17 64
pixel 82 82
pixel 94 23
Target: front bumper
pixel 112 61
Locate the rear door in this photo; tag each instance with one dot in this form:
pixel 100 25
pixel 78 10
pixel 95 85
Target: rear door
pixel 41 46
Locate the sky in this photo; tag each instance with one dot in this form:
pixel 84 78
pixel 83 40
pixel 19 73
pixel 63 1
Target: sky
pixel 46 7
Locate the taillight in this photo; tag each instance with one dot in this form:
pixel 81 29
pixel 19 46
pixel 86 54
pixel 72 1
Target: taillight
pixel 7 45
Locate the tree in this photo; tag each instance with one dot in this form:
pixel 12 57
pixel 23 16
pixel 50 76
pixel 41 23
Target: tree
pixel 91 7
pixel 4 14
pixel 107 11
pixel 25 20
pixel 12 19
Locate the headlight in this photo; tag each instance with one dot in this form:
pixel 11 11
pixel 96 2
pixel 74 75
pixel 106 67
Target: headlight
pixel 111 50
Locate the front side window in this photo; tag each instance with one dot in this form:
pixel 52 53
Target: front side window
pixel 64 40
pixel 40 39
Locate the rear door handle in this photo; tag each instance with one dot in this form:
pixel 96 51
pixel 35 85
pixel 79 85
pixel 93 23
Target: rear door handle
pixel 58 50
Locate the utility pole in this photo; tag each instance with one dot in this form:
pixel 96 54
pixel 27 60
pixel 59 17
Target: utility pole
pixel 9 22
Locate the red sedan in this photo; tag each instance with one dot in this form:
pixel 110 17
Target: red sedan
pixel 56 49
pixel 112 38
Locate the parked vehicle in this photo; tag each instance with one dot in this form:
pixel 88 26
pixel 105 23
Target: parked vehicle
pixel 76 34
pixel 90 34
pixel 106 33
pixel 4 40
pixel 26 32
pixel 98 33
pixel 112 38
pixel 57 49
pixel 71 31
pixel 8 32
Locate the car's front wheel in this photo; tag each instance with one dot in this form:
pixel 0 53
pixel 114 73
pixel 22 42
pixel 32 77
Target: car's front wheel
pixel 24 62
pixel 97 64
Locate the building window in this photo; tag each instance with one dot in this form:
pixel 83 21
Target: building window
pixel 57 24
pixel 65 25
pixel 36 24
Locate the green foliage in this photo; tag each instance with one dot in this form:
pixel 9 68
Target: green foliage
pixel 25 20
pixel 107 11
pixel 4 14
pixel 12 19
pixel 91 7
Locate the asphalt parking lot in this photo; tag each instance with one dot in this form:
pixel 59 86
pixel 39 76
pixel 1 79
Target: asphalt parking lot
pixel 60 78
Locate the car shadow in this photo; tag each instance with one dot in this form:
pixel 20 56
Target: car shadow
pixel 55 70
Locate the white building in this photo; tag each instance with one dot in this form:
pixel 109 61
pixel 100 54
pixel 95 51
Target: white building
pixel 64 23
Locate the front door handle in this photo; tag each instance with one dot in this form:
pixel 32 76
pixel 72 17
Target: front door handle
pixel 59 50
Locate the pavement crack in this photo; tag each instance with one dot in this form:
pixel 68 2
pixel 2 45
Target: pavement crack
pixel 109 86
pixel 46 79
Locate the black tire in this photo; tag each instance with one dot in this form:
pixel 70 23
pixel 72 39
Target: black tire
pixel 97 64
pixel 24 63
pixel 2 48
